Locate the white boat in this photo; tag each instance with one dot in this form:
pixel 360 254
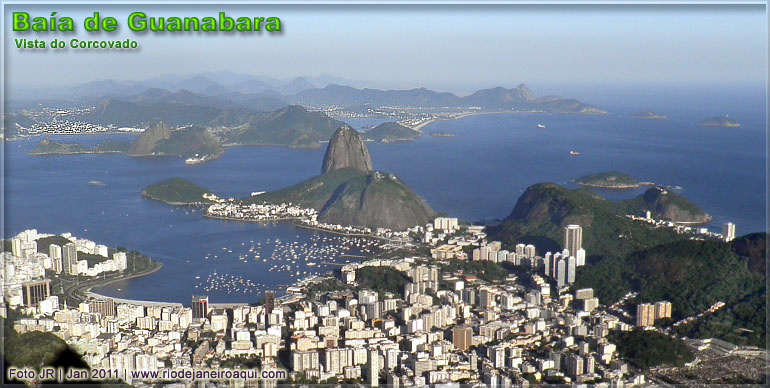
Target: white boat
pixel 541 126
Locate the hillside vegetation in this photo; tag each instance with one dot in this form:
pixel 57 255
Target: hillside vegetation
pixel 176 191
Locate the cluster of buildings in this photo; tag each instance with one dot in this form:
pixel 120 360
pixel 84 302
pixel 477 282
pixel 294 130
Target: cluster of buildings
pixel 260 212
pixel 443 326
pixel 561 267
pixel 148 336
pixel 64 121
pixel 513 332
pixel 235 210
pixel 24 268
pixel 728 228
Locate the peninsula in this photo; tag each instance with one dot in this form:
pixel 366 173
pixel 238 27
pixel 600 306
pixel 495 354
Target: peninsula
pixel 348 197
pixel 193 143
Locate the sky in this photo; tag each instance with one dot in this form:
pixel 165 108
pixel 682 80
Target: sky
pixel 449 47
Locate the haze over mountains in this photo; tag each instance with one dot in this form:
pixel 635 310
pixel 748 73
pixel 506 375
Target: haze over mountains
pixel 230 90
pixel 208 83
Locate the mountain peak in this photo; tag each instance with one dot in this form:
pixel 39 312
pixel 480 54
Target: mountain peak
pixel 524 93
pixel 346 150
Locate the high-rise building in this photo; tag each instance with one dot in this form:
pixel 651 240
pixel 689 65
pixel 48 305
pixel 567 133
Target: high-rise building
pixel 445 223
pixel 16 248
pixel 560 273
pixel 35 291
pixel 462 337
pixel 662 310
pixel 573 239
pixel 486 298
pixel 54 252
pixel 373 368
pixel 69 256
pixel 548 264
pixel 645 315
pixel 574 365
pixel 121 261
pixel 200 307
pixel 728 231
pixel 529 251
pixel 571 268
pixel 580 257
pixel 103 306
pixel 269 302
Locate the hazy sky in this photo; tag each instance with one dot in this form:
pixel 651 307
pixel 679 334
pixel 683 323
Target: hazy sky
pixel 455 48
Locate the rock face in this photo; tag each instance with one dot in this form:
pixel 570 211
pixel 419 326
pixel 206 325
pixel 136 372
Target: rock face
pixel 145 143
pixel 346 150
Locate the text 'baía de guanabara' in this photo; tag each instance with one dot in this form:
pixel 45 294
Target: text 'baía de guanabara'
pixel 140 21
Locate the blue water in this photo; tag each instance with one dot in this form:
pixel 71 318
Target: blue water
pixel 477 175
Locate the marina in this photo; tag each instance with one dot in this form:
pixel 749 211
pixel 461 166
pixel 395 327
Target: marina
pixel 292 259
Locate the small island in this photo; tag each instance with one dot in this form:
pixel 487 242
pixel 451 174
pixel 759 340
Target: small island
pixel 390 132
pixel 442 134
pixel 178 191
pixel 608 180
pixel 719 122
pixel 649 116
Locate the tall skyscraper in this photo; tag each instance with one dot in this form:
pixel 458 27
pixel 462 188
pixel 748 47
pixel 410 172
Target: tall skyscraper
pixel 16 248
pixel 571 268
pixel 200 307
pixel 561 275
pixel 662 310
pixel 728 231
pixel 373 366
pixel 645 314
pixel 462 337
pixel 573 239
pixel 529 251
pixel 269 302
pixel 35 291
pixel 69 256
pixel 54 252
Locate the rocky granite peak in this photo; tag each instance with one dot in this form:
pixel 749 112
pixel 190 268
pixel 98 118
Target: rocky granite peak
pixel 145 143
pixel 346 150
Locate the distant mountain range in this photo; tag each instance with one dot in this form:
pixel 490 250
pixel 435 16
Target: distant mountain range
pixel 499 98
pixel 229 90
pixel 208 83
